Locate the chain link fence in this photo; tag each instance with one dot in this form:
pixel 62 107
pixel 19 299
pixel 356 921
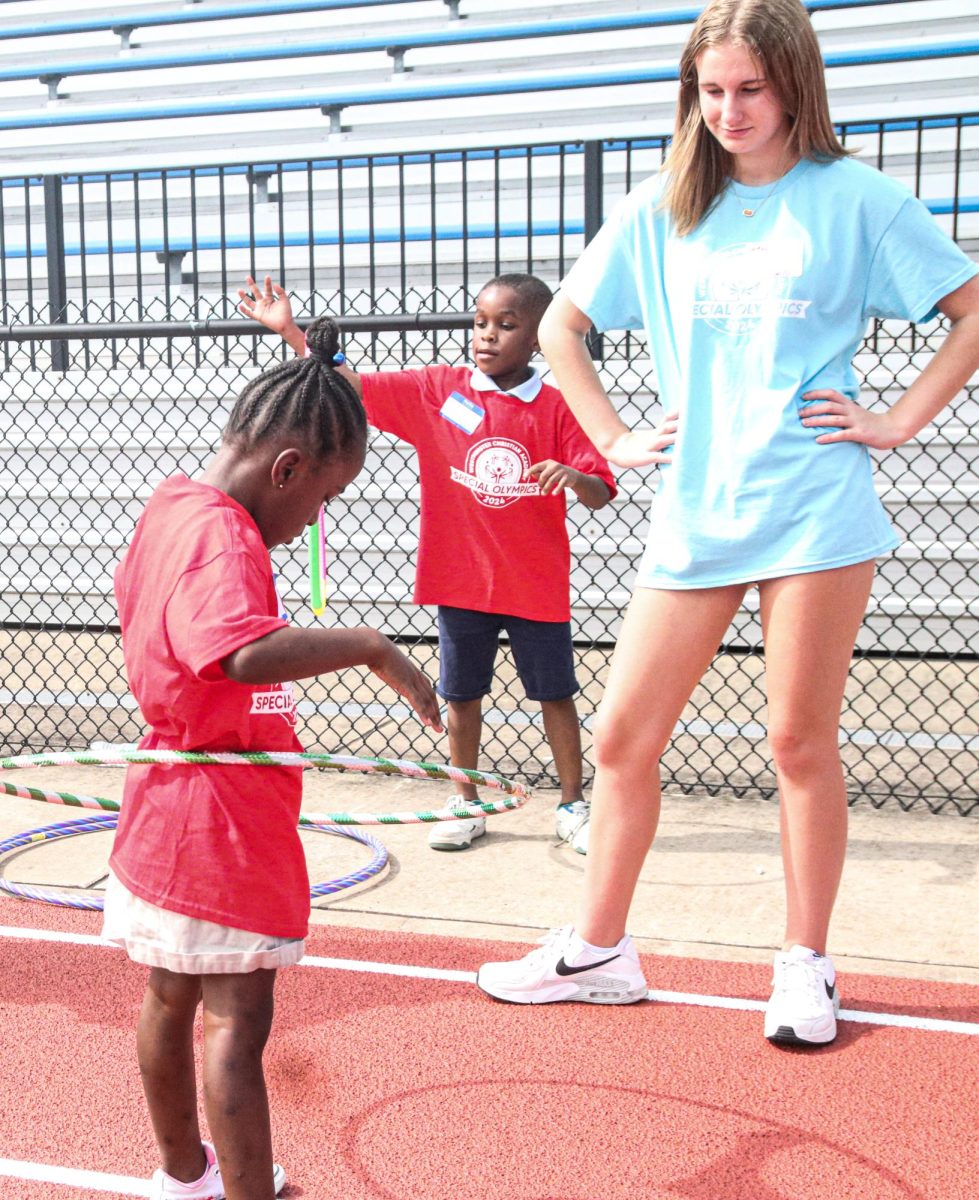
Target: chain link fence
pixel 81 447
pixel 121 358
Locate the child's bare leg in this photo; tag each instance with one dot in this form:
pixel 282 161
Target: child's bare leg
pixel 465 726
pixel 165 1049
pixel 237 1020
pixel 563 734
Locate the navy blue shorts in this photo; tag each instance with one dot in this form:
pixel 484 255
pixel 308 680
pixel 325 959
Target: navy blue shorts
pixel 468 642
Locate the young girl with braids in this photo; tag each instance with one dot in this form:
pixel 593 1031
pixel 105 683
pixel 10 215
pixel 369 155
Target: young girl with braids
pixel 208 883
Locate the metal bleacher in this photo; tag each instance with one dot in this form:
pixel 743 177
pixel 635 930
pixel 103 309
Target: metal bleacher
pixel 143 83
pixel 213 84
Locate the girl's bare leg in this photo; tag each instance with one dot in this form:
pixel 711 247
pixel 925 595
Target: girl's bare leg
pixel 165 1050
pixel 237 1021
pixel 667 641
pixel 810 624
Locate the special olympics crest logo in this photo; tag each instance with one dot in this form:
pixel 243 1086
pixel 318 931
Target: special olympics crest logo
pixel 743 285
pixel 496 472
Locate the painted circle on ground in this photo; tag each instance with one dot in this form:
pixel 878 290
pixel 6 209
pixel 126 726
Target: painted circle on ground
pixel 553 1139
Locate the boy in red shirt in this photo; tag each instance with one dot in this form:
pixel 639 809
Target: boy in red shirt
pixel 497 448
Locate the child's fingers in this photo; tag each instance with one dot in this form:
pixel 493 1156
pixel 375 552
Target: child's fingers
pixel 549 474
pixel 411 683
pixel 425 703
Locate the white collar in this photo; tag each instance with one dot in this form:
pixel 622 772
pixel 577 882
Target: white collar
pixel 526 391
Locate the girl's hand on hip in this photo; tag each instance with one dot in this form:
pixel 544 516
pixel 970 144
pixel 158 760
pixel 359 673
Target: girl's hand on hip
pixel 644 447
pixel 847 421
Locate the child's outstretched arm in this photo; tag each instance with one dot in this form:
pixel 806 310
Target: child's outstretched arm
pixel 270 306
pixel 288 654
pixel 552 476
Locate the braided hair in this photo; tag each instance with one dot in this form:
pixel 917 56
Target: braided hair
pixel 306 396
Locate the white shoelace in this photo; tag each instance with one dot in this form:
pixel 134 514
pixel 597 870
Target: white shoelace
pixel 799 976
pixel 548 943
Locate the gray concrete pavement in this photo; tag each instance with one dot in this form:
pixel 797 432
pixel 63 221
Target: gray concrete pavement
pixel 711 888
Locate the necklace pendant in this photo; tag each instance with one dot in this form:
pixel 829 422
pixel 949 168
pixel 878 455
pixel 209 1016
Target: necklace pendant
pixel 747 212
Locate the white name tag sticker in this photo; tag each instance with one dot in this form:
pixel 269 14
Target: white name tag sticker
pixel 464 413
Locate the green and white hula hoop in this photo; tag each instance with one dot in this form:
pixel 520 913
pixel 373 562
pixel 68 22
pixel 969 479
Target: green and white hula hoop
pixel 515 794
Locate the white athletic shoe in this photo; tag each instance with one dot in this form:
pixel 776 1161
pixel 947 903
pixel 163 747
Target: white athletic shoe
pixel 571 824
pixel 545 975
pixel 456 835
pixel 804 1003
pixel 208 1187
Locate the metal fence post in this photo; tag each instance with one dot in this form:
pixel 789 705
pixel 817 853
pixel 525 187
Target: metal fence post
pixel 54 234
pixel 594 189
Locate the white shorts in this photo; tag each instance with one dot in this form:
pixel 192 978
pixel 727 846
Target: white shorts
pixel 186 945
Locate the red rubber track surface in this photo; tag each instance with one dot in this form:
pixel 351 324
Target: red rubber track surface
pixel 416 1089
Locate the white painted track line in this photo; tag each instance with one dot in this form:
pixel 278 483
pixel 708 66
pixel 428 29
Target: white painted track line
pixel 98 1181
pixel 899 1020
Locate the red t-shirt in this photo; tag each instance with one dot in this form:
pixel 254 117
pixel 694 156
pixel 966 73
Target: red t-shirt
pixel 217 843
pixel 489 540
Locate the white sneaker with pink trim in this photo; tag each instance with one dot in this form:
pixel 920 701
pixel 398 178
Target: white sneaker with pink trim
pixel 208 1187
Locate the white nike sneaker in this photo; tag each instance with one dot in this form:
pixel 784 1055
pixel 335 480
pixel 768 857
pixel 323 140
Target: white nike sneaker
pixel 545 975
pixel 804 1003
pixel 456 835
pixel 571 824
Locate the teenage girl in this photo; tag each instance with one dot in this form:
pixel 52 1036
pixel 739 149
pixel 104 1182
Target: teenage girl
pixel 754 263
pixel 208 883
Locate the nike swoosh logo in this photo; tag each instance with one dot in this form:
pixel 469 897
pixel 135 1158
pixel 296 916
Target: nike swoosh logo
pixel 562 967
pixel 830 989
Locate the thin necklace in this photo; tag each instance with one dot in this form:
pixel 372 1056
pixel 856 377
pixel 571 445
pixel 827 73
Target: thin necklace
pixel 746 211
pixel 753 212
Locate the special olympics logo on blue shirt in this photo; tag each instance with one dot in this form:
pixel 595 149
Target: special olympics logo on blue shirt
pixel 744 285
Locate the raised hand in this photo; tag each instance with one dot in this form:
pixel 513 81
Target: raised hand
pixel 268 304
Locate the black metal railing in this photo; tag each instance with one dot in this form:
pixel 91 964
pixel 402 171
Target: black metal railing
pixel 356 234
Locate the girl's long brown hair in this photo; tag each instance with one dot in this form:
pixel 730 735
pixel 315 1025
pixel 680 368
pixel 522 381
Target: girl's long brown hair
pixel 779 35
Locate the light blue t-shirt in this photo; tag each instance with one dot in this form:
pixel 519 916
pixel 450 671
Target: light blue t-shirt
pixel 744 315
